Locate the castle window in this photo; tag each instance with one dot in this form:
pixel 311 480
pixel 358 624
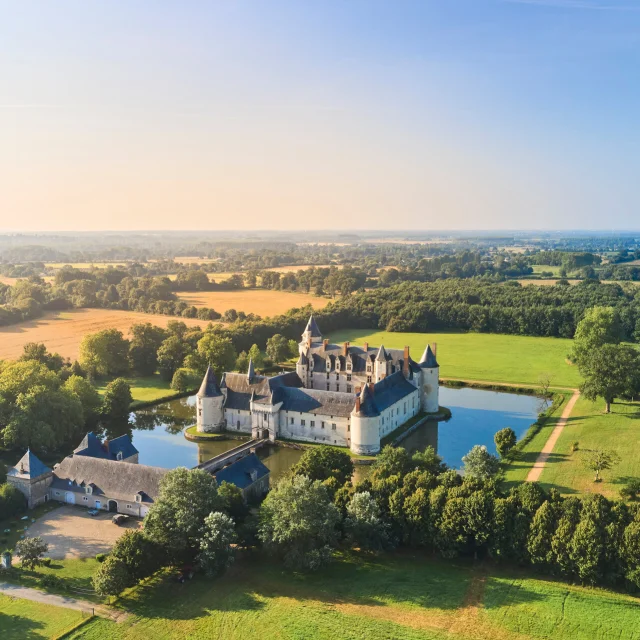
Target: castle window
pixel 327 375
pixel 369 379
pixel 303 422
pixel 85 499
pixel 405 407
pixel 348 388
pixel 348 367
pixel 58 493
pixel 199 412
pixel 291 420
pixel 313 423
pixel 322 424
pixel 328 386
pixel 333 426
pixel 238 425
pixel 129 506
pixel 138 498
pixel 348 427
pixel 337 376
pixel 119 455
pixel 348 377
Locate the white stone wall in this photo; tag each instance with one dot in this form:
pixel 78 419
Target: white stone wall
pixel 298 426
pixel 90 501
pixel 238 420
pixel 430 390
pixel 210 414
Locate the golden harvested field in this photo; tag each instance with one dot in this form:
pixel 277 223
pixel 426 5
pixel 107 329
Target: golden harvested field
pixel 7 280
pixel 63 331
pixel 264 302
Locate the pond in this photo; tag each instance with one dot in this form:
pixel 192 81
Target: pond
pixel 476 416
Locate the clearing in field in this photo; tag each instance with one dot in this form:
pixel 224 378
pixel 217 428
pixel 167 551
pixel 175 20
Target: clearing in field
pixel 482 356
pixel 63 331
pixel 264 302
pixel 400 596
pixel 591 428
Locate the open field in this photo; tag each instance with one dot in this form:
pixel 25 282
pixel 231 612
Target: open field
pixel 26 620
pixel 399 596
pixel 592 428
pixel 63 331
pixel 541 283
pixel 482 356
pixel 143 389
pixel 264 302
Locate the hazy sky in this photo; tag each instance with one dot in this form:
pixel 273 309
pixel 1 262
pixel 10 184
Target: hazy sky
pixel 230 114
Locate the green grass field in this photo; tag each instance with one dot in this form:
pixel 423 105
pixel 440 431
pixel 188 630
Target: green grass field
pixel 399 596
pixel 144 389
pixel 592 428
pixel 24 620
pixel 482 356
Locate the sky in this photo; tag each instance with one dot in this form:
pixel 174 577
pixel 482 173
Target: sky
pixel 354 114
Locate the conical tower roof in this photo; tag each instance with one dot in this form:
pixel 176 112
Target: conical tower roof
pixel 368 408
pixel 312 328
pixel 29 466
pixel 303 359
pixel 251 372
pixel 428 360
pixel 209 387
pixel 382 354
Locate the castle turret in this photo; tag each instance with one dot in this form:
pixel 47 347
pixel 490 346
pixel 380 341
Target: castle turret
pixel 310 334
pixel 365 419
pixel 302 368
pixel 382 364
pixel 210 404
pixel 251 372
pixel 430 387
pixel 32 478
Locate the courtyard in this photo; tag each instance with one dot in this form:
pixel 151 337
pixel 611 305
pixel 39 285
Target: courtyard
pixel 71 532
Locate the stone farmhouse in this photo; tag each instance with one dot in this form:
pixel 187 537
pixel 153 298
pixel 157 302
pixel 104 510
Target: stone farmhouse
pixel 344 395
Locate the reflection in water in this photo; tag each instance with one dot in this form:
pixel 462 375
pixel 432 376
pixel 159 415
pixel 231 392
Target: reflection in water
pixel 477 415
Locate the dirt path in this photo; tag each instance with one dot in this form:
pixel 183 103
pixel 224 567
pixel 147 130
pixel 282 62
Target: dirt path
pixel 536 470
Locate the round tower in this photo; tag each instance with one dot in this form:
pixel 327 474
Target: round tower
pixel 430 383
pixel 302 368
pixel 210 404
pixel 365 424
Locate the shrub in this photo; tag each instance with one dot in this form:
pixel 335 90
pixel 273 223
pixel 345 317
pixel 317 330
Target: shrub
pixel 50 581
pixel 575 446
pixel 46 562
pixel 631 490
pixel 101 557
pixel 505 440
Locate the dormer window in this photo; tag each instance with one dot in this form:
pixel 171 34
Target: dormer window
pixel 119 455
pixel 138 497
pixel 89 490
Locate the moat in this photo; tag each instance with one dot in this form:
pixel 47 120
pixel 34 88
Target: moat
pixel 476 416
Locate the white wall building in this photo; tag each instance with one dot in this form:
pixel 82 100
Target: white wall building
pixel 342 395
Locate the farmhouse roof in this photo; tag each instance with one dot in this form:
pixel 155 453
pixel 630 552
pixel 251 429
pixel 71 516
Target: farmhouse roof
pixel 117 480
pixel 240 472
pixel 29 467
pixel 123 445
pixel 91 446
pixel 209 387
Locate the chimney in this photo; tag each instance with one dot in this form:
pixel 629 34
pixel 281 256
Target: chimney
pixel 366 347
pixel 325 343
pixel 358 403
pixel 345 348
pixel 405 362
pixel 435 348
pixel 358 390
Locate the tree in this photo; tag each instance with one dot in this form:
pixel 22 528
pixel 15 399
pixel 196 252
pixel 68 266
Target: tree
pixel 599 460
pixel 233 501
pixel 105 353
pixel 320 463
pixel 181 380
pixel 543 526
pixel 256 356
pixel 176 519
pixel 364 525
pixel 609 372
pixel 31 551
pixel 299 523
pixel 479 463
pixel 143 349
pixel 171 355
pixel 293 349
pixel 218 350
pixel 505 440
pixel 138 553
pixel 242 362
pixel 12 500
pixel 117 401
pixel 277 348
pixel 112 577
pixel 37 351
pixel 89 398
pixel 599 326
pixel 216 554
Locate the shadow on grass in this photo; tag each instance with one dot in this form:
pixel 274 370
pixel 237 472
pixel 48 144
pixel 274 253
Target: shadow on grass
pixel 19 628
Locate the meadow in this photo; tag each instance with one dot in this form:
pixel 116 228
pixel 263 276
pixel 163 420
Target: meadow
pixel 399 596
pixel 144 389
pixel 63 331
pixel 482 356
pixel 591 428
pixel 263 302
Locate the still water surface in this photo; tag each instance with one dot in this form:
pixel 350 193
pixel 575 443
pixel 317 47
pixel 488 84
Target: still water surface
pixel 476 416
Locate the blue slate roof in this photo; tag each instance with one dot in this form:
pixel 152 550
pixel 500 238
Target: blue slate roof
pixel 92 447
pixel 29 466
pixel 121 445
pixel 428 360
pixel 209 387
pixel 239 473
pixel 368 407
pixel 391 389
pixel 312 327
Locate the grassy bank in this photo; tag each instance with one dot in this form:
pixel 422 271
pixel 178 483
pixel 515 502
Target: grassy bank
pixel 480 356
pixel 400 596
pixel 593 429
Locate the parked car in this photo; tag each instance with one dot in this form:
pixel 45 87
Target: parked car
pixel 119 519
pixel 93 512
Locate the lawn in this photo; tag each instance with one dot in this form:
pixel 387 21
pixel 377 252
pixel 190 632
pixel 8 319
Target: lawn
pixel 399 596
pixel 591 428
pixel 24 620
pixel 482 356
pixel 144 389
pixel 518 470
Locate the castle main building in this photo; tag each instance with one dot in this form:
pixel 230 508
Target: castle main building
pixel 342 395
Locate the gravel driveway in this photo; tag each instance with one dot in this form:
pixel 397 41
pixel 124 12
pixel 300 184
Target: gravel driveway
pixel 71 533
